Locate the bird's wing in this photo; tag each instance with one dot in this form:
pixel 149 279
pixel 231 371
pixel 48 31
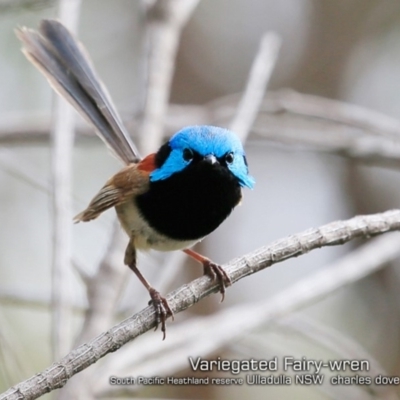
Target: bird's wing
pixel 131 181
pixel 63 61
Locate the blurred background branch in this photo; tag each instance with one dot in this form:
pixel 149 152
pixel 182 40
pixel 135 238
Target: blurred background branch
pixel 165 21
pixel 62 140
pixel 286 117
pixel 254 93
pixel 7 6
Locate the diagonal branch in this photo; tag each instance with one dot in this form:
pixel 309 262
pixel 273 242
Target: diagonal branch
pixel 336 111
pixel 260 74
pixel 225 327
pixel 335 233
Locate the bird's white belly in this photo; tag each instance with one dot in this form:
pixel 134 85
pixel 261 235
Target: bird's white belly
pixel 143 235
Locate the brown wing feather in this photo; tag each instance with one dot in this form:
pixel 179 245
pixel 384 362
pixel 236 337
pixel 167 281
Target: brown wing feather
pixel 128 182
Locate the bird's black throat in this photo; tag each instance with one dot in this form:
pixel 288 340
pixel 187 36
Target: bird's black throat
pixel 191 203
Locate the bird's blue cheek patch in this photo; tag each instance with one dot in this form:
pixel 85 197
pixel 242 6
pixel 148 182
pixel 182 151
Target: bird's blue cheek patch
pixel 248 181
pixel 240 170
pixel 174 163
pixel 245 180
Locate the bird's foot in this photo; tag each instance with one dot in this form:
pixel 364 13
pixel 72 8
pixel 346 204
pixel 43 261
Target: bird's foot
pixel 216 272
pixel 162 309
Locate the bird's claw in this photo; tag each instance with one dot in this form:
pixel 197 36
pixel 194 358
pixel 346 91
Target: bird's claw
pixel 162 309
pixel 216 272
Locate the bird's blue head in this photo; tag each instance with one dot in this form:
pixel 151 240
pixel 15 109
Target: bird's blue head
pixel 210 143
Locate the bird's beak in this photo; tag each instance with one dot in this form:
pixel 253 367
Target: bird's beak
pixel 210 158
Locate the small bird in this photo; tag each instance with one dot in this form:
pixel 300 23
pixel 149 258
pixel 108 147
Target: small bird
pixel 166 201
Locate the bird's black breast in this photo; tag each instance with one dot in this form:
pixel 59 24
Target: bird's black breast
pixel 192 203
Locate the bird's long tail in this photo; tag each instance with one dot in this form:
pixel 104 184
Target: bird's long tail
pixel 63 61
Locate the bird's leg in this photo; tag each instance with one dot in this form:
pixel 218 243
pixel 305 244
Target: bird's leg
pixel 214 271
pixel 159 303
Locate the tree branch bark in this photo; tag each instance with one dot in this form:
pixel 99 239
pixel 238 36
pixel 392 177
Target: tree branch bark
pixel 335 233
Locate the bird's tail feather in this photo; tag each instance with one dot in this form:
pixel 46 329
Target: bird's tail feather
pixel 55 52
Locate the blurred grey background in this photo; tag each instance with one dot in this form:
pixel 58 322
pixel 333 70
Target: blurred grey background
pixel 344 50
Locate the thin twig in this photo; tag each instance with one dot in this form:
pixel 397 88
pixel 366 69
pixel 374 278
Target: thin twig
pixel 62 144
pixel 23 170
pixel 256 86
pixel 335 233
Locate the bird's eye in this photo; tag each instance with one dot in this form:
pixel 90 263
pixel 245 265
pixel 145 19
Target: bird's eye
pixel 188 154
pixel 229 158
